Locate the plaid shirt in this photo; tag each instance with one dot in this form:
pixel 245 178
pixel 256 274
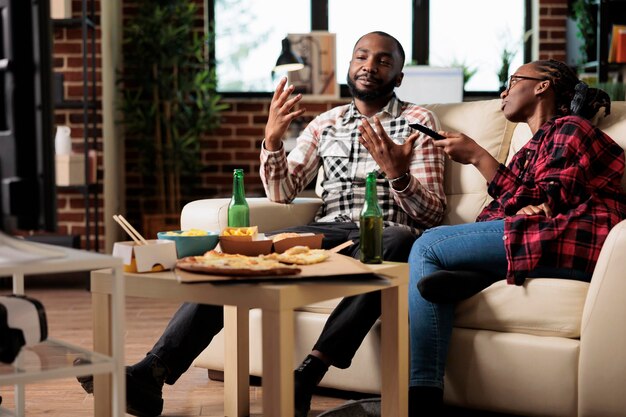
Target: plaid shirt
pixel 576 169
pixel 331 140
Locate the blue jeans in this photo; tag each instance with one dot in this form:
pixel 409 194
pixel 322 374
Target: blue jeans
pixel 472 247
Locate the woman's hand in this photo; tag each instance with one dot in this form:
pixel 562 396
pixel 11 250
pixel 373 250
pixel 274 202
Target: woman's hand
pixel 460 148
pixel 392 158
pixel 280 115
pixel 531 210
pixel 464 150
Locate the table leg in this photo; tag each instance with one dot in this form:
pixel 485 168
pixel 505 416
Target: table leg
pixel 101 305
pixel 278 363
pixel 118 325
pixel 236 362
pixel 395 352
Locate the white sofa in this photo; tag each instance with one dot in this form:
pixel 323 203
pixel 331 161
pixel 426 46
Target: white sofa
pixel 552 347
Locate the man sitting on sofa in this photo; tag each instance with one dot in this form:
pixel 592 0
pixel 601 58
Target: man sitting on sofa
pixel 369 134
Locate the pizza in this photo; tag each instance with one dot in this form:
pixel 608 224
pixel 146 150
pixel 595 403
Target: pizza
pixel 300 255
pixel 217 263
pixel 281 236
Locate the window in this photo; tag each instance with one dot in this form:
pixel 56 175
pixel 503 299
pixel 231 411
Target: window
pixel 456 38
pixel 248 35
pixel 350 22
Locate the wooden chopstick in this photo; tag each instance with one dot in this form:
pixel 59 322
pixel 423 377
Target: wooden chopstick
pixel 127 230
pixel 130 226
pixel 342 246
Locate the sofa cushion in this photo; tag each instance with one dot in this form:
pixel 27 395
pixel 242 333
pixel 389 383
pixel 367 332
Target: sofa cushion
pixel 465 188
pixel 542 307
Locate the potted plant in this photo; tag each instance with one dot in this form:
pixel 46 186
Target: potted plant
pixel 168 99
pixel 506 57
pixel 585 16
pixel 468 72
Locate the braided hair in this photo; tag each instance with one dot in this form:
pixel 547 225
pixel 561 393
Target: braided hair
pixel 572 95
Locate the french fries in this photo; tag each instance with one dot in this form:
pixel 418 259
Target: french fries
pixel 239 231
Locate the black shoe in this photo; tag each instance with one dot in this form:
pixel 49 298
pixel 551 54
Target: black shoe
pixel 453 286
pixel 144 395
pixel 306 377
pixel 425 402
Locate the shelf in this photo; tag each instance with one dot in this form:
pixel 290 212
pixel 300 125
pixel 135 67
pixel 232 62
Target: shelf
pixel 87 23
pixel 52 359
pixel 73 22
pixel 93 188
pixel 50 259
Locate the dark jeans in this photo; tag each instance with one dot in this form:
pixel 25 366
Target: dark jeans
pixel 193 326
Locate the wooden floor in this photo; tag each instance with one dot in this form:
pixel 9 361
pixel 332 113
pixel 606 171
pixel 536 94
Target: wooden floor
pixel 68 309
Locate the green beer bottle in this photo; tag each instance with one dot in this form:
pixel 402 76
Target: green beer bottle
pixel 371 224
pixel 238 210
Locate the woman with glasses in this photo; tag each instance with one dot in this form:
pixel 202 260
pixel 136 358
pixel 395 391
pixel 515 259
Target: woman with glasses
pixel 552 208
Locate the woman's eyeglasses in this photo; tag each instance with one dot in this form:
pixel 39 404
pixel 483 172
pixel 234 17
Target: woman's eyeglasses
pixel 513 79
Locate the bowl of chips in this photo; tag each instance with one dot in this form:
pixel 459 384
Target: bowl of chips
pixel 193 242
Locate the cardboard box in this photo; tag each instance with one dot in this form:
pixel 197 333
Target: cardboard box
pixel 237 245
pixel 157 255
pixel 244 245
pixel 306 239
pixel 70 169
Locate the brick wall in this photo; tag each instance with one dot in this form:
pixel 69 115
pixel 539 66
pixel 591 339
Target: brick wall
pixel 552 20
pixel 234 145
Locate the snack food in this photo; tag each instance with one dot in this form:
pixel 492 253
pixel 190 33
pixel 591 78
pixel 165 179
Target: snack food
pixel 300 255
pixel 240 231
pixel 190 232
pixel 282 236
pixel 218 263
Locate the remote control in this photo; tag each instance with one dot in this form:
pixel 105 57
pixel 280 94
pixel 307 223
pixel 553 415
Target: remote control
pixel 426 130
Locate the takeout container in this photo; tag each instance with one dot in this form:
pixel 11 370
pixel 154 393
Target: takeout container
pixel 311 240
pixel 157 255
pixel 190 245
pixel 262 245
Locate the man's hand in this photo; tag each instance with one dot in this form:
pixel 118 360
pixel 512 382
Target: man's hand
pixel 531 210
pixel 280 115
pixel 392 158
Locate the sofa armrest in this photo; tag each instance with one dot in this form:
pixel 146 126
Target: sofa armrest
pixel 212 214
pixel 602 367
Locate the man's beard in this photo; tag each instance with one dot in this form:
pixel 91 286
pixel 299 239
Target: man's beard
pixel 371 95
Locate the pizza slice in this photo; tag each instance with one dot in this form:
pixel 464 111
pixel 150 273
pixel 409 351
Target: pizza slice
pixel 300 255
pixel 217 263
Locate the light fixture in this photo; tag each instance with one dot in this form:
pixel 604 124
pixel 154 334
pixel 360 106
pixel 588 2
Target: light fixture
pixel 288 60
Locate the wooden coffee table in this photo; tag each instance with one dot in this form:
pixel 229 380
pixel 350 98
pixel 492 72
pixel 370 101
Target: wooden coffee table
pixel 277 302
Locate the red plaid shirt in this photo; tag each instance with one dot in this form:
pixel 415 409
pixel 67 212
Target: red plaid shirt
pixel 577 170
